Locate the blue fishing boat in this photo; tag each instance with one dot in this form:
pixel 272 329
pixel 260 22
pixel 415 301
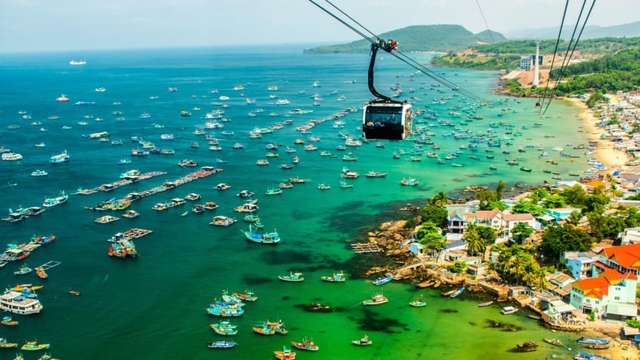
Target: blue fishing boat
pixel 584 340
pixel 383 280
pixel 261 237
pixel 587 356
pixel 457 292
pixel 221 344
pixel 224 328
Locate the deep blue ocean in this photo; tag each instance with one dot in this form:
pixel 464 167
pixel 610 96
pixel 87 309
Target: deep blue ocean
pixel 153 307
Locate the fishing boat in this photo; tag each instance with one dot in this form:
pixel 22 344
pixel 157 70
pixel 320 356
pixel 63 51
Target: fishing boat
pixel 221 344
pixel 555 342
pixel 261 237
pixel 409 182
pixel 584 340
pixel 8 321
pixel 42 274
pixel 382 280
pixel 323 186
pixel 486 303
pixel 74 292
pixel 362 342
pixel 375 174
pixel 305 344
pixel 335 277
pixel 457 292
pixel 418 303
pixel 525 169
pixel 130 214
pixel 60 199
pixel 248 207
pixel 224 328
pixel 34 346
pixel 273 191
pixel 222 220
pixel 587 356
pixel 24 269
pixel 222 186
pixel 508 310
pixel 60 158
pixel 264 330
pixel 292 277
pixel 4 344
pixel 377 299
pixel 246 296
pixel 285 354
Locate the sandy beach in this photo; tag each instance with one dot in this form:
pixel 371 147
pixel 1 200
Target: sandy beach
pixel 606 152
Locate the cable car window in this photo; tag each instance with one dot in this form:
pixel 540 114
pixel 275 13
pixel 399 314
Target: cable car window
pixel 386 121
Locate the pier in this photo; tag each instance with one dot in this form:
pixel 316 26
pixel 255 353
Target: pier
pixel 365 248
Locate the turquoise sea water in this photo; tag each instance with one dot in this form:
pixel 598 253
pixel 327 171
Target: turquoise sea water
pixel 154 306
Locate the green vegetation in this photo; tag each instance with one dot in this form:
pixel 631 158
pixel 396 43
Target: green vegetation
pixel 419 38
pixel 517 265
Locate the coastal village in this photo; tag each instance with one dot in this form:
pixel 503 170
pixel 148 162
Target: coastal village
pixel 592 290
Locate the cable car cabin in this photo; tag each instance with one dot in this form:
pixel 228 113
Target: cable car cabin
pixel 386 120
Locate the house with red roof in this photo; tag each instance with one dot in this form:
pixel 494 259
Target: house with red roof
pixel 611 290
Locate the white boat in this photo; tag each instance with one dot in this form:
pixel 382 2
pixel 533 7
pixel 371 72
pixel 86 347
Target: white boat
pixel 77 62
pixel 9 156
pixel 60 199
pixel 15 302
pixel 60 158
pixel 39 173
pixel 508 310
pixel 62 98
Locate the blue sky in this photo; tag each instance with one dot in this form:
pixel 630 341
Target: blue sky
pixel 44 25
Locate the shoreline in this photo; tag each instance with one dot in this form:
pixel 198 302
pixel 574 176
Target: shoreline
pixel 605 150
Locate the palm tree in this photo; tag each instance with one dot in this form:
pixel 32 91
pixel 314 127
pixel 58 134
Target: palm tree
pixel 440 199
pixel 475 244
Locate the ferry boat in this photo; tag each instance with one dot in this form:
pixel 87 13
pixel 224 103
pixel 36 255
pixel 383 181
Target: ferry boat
pixel 15 302
pixel 60 158
pixel 60 199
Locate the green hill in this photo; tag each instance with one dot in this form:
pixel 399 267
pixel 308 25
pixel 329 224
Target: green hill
pixel 441 38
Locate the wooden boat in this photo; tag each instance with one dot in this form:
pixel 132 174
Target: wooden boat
pixel 285 354
pixel 487 303
pixel 425 284
pixel 377 299
pixel 555 342
pixel 597 346
pixel 292 277
pixel 382 280
pixel 74 292
pixel 508 310
pixel 224 328
pixel 4 344
pixel 418 303
pixel 448 293
pixel 457 292
pixel 525 169
pixel 246 296
pixel 7 320
pixel 336 277
pixel 29 287
pixel 41 273
pixel 34 346
pixel 305 344
pixel 362 342
pixel 221 344
pixel 264 330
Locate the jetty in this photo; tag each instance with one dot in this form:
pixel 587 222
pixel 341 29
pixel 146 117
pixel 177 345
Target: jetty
pixel 116 184
pixel 364 248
